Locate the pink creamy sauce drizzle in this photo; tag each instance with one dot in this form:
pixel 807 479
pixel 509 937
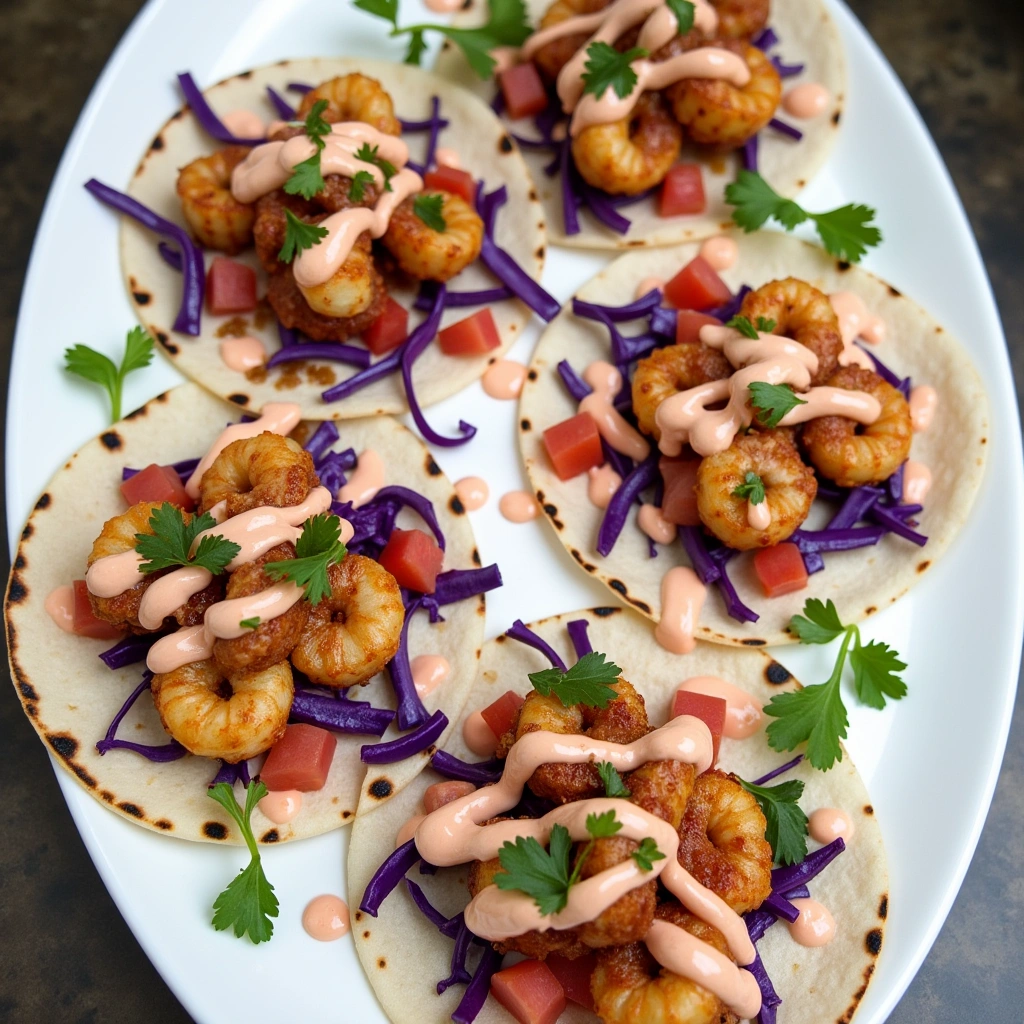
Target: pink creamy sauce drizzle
pixel 655 525
pixel 855 321
pixel 807 100
pixel 602 484
pixel 830 823
pixel 365 480
pixel 924 400
pixel 281 807
pixel 743 713
pixel 917 482
pixel 477 735
pixel 682 598
pixel 606 382
pixel 648 284
pixel 269 166
pixel 815 926
pixel 453 835
pixel 473 492
pixel 503 379
pixel 685 417
pixel 429 671
pixel 759 516
pixel 446 157
pixel 60 606
pixel 519 506
pixel 720 252
pixel 326 918
pixel 244 124
pixel 241 354
pixel 408 830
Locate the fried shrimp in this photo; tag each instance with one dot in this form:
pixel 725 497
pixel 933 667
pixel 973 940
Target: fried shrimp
pixel 666 372
pixel 630 917
pixel 232 716
pixel 632 155
pixel 740 19
pixel 800 312
pixel 351 635
pixel 553 56
pixel 722 843
pixel 718 113
pixel 789 487
pixel 629 986
pixel 271 641
pixel 430 255
pixel 267 469
pixel 851 454
pixel 354 97
pixel 216 218
pixel 352 289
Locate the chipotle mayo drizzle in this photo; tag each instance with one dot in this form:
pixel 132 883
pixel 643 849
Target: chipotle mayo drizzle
pixel 602 484
pixel 917 482
pixel 518 506
pixel 473 492
pixel 759 516
pixel 720 252
pixel 924 400
pixel 855 321
pixel 60 606
pixel 503 379
pixel 366 479
pixel 429 671
pixel 829 823
pixel 241 354
pixel 326 918
pixel 244 124
pixel 743 712
pixel 446 157
pixel 682 597
pixel 606 382
pixel 807 100
pixel 815 926
pixel 478 735
pixel 655 525
pixel 282 806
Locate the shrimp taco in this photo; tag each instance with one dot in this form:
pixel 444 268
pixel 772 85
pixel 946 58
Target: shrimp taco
pixel 313 258
pixel 187 597
pixel 645 867
pixel 643 111
pixel 745 441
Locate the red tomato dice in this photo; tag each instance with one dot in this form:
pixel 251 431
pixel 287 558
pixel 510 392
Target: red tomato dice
pixel 523 90
pixel 414 559
pixel 574 977
pixel 473 336
pixel 710 710
pixel 85 622
pixel 501 715
pixel 574 446
pixel 453 180
pixel 688 325
pixel 300 759
pixel 697 286
pixel 441 793
pixel 780 569
pixel 682 191
pixel 530 992
pixel 389 330
pixel 230 287
pixel 679 500
pixel 157 483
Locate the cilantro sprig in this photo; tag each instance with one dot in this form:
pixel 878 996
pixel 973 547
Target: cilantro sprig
pixel 357 189
pixel 647 854
pixel 613 784
pixel 752 488
pixel 772 401
pixel 847 232
pixel 684 12
pixel 252 623
pixel 816 714
pixel 368 155
pixel 171 541
pixel 588 682
pixel 317 549
pixel 787 824
pixel 428 208
pixel 606 68
pixel 87 363
pixel 298 235
pixel 248 903
pixel 307 179
pixel 506 25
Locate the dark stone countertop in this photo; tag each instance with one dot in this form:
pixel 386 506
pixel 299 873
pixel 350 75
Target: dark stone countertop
pixel 65 952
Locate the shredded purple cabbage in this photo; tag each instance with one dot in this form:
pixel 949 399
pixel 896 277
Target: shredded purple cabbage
pixel 625 349
pixel 602 207
pixel 299 87
pixel 748 154
pixel 641 307
pixel 578 635
pixel 405 746
pixel 387 877
pixel 894 484
pixel 459 300
pixel 704 566
pixel 778 905
pixel 433 124
pixel 881 369
pixel 332 351
pixel 129 650
pixel 458 975
pixel 426 908
pixel 888 518
pixel 332 467
pixel 423 507
pixel 787 878
pixel 284 109
pixel 411 714
pixel 184 469
pixel 480 773
pixel 288 335
pixel 168 752
pixel 321 440
pixel 478 989
pixel 232 773
pixel 618 508
pixel 782 769
pixel 858 501
pixel 460 584
pixel 729 309
pixel 786 129
pixel 770 999
pixel 207 119
pixel 786 70
pixel 377 371
pixel 169 255
pixel 733 605
pixel 837 540
pixel 577 387
pixel 354 717
pixel 765 39
pixel 526 636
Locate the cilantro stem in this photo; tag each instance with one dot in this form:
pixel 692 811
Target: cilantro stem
pixel 587 850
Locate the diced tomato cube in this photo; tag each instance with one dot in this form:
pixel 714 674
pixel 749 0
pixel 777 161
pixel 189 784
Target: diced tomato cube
pixel 523 90
pixel 414 559
pixel 574 446
pixel 574 976
pixel 389 330
pixel 682 191
pixel 710 710
pixel 473 336
pixel 230 287
pixel 85 622
pixel 441 793
pixel 501 715
pixel 157 483
pixel 780 569
pixel 300 759
pixel 697 286
pixel 530 992
pixel 688 325
pixel 453 180
pixel 679 499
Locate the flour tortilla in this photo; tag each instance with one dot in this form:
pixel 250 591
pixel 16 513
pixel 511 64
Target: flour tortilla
pixel 155 289
pixel 70 696
pixel 404 955
pixel 861 582
pixel 808 36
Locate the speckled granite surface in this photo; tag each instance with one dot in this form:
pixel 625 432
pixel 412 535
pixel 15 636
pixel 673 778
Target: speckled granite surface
pixel 65 953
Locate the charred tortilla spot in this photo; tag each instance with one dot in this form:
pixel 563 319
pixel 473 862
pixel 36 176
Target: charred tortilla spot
pixel 505 144
pixel 168 345
pixel 531 375
pixel 868 809
pixel 433 469
pixel 873 941
pixel 842 265
pixel 835 117
pixel 634 243
pixel 214 830
pixel 239 399
pixel 857 996
pixel 777 674
pixel 19 562
pixel 30 529
pixel 157 144
pixel 604 611
pixel 142 298
pixel 17 591
pixel 539 254
pixel 455 504
pixel 753 642
pixel 246 74
pixel 164 824
pixel 533 195
pixel 65 746
pixel 525 424
pixel 475 557
pixel 641 605
pixel 27 691
pixel 79 771
pixel 870 610
pixel 984 440
pixel 107 795
pixel 270 836
pixel 346 814
pixel 111 440
pixel 619 587
pixel 358 915
pixel 895 292
pixel 923 565
pixel 380 789
pixel 551 510
pixel 883 906
pixel 366 935
pixel 44 500
pixel 133 809
pixel 500 639
pixel 135 413
pixel 382 963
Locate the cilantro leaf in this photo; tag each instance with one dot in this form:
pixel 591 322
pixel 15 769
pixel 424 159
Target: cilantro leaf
pixel 317 549
pixel 819 624
pixel 248 903
pixel 744 326
pixel 815 714
pixel 772 401
pixel 252 623
pixel 684 12
pixel 306 179
pixel 507 22
pixel 315 125
pixel 588 682
pixel 298 235
pixel 606 68
pixel 603 826
pixel 764 325
pixel 847 232
pixel 752 489
pixel 613 784
pixel 368 155
pixel 416 48
pixel 875 667
pixel 171 542
pixel 386 9
pixel 358 187
pixel 787 824
pixel 542 875
pixel 90 365
pixel 428 208
pixel 647 854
